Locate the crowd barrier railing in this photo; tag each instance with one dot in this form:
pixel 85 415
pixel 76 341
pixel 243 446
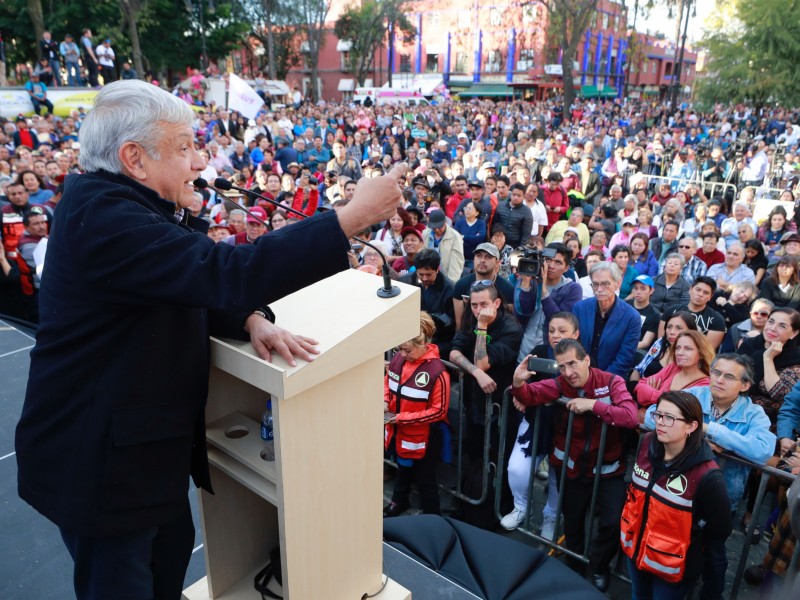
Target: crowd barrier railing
pixel 557 543
pixel 490 409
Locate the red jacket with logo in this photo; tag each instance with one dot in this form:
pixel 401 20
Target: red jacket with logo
pixel 419 392
pixel 614 407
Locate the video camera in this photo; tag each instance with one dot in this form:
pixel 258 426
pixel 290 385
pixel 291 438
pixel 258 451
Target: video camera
pixel 528 261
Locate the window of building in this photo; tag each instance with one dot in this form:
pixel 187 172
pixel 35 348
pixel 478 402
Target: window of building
pixel 528 14
pixel 494 61
pixel 462 62
pixel 432 63
pixel 526 60
pixel 605 21
pixel 668 69
pixel 464 20
pixel 345 60
pixel 495 16
pixel 434 20
pixel 654 67
pixel 405 63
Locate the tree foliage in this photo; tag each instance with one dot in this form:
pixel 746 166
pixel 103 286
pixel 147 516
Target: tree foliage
pixel 365 27
pixel 568 20
pixel 273 25
pixel 753 56
pixel 169 35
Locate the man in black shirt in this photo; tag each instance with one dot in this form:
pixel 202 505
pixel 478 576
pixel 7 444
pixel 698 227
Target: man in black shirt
pixel 709 322
pixel 643 287
pixel 486 265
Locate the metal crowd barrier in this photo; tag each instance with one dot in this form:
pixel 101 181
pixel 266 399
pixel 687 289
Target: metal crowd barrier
pixel 556 543
pixel 490 408
pixel 720 188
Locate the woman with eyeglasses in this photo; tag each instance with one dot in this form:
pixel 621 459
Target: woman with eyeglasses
pixel 689 365
pixel 415 400
pixel 673 507
pixel 782 287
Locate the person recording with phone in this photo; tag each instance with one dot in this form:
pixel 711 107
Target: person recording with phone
pixel 593 394
pixel 134 288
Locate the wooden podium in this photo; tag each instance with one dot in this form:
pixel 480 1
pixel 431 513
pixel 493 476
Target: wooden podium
pixel 322 497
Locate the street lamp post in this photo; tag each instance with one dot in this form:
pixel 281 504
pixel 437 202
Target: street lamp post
pixel 676 76
pixel 190 6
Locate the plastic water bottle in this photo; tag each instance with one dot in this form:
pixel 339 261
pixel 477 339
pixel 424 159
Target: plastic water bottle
pixel 266 422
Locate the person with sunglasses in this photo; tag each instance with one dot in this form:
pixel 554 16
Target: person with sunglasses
pixel 672 509
pixel 731 422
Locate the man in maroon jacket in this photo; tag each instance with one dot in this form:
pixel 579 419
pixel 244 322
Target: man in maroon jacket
pixel 594 396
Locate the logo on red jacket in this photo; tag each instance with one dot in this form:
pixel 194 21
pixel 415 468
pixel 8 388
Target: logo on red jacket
pixel 677 484
pixel 422 379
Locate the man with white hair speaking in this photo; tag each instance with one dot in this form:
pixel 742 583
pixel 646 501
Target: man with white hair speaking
pixel 113 423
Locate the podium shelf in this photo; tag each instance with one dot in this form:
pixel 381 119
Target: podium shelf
pixel 240 457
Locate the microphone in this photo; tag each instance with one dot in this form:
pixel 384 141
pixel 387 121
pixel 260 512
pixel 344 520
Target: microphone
pixel 387 291
pixel 220 183
pixel 202 184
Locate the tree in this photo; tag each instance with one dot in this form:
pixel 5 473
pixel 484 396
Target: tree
pixel 365 26
pixel 274 24
pixel 753 54
pixel 568 20
pixel 313 14
pixel 131 10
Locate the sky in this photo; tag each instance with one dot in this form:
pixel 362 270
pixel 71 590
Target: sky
pixel 658 21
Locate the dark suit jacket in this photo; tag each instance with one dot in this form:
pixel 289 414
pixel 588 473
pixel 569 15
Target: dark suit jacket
pixel 592 189
pixel 112 424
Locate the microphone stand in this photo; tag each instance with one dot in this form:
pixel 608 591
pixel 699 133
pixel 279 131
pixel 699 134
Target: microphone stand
pixel 202 184
pixel 387 291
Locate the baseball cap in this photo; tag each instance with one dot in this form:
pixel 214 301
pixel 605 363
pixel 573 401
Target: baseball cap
pixel 476 183
pixel 489 249
pixel 646 280
pixel 488 165
pixel 408 231
pixel 629 220
pixel 257 211
pixel 437 219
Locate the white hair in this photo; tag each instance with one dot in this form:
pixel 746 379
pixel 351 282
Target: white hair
pixel 612 269
pixel 127 111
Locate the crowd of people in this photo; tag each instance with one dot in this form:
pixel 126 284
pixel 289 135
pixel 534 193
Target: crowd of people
pixel 663 299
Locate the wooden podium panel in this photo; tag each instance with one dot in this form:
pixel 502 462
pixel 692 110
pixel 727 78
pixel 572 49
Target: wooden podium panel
pixel 321 499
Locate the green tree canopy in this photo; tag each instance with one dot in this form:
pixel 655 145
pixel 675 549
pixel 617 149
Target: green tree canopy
pixel 753 54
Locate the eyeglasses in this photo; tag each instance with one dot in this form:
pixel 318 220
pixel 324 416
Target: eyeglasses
pixel 685 247
pixel 481 285
pixel 602 285
pixel 666 420
pixel 568 366
pixel 728 377
pixel 759 313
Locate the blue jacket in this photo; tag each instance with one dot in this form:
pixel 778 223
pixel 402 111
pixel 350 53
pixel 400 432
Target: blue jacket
pixel 648 266
pixel 620 336
pixel 743 430
pixel 789 414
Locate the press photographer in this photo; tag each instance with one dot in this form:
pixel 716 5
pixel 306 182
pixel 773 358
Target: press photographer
pixel 542 290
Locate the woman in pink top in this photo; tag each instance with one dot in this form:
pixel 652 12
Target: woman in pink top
pixel 692 356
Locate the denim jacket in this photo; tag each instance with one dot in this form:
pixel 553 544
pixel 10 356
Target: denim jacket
pixel 743 430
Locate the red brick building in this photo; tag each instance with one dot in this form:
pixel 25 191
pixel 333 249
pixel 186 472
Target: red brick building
pixel 653 62
pixel 500 48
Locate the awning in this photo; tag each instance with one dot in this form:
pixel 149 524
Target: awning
pixel 347 85
pixel 481 90
pixel 276 88
pixel 591 91
pixel 344 45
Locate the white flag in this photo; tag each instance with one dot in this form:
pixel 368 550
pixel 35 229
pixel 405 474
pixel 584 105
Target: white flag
pixel 242 98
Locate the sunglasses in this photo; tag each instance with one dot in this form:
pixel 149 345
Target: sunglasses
pixel 759 313
pixel 480 285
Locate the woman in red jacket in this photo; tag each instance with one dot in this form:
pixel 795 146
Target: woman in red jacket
pixel 416 396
